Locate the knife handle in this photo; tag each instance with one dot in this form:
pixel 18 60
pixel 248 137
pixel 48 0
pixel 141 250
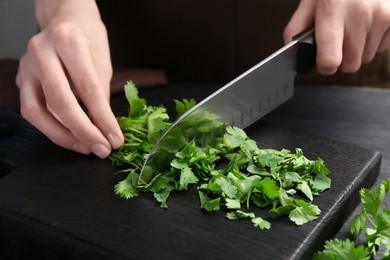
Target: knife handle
pixel 306 51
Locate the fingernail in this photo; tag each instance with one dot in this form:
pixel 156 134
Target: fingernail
pixel 114 141
pixel 100 151
pixel 77 147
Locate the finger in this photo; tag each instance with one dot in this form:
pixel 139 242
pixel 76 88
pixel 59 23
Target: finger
pixel 385 43
pixel 76 56
pixel 60 100
pixel 100 54
pixel 377 31
pixel 302 19
pixel 373 43
pixel 384 14
pixel 329 24
pixel 356 31
pixel 33 109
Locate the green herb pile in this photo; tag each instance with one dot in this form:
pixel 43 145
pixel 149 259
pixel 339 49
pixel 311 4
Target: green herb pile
pixel 373 221
pixel 234 173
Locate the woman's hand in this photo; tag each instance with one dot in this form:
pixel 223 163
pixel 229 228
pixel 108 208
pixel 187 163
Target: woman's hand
pixel 348 32
pixel 68 62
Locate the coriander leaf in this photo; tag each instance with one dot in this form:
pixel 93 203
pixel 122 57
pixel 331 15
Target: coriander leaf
pixel 293 177
pixel 383 220
pixel 184 105
pixel 372 200
pixel 242 214
pixel 162 196
pixel 260 200
pixel 319 167
pixel 357 224
pixel 128 187
pixel 186 174
pixel 342 250
pixel 321 182
pixel 245 185
pixel 268 158
pixel 303 212
pixel 386 185
pixel 231 215
pixel 207 203
pixel 254 169
pixel 187 177
pixel 188 152
pixel 159 182
pixel 284 197
pixel 369 204
pixel 304 187
pixel 285 209
pixel 268 187
pixel 386 242
pixel 157 123
pixel 227 187
pixel 234 137
pixel 137 105
pixel 256 221
pixel 261 223
pixel 233 204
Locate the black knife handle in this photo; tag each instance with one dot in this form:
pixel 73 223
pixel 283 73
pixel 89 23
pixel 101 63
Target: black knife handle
pixel 306 51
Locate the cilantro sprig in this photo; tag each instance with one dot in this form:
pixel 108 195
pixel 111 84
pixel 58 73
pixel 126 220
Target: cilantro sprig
pixel 231 172
pixel 373 221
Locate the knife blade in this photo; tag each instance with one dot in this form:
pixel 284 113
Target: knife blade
pixel 241 102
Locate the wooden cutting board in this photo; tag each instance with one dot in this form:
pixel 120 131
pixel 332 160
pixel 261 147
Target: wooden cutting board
pixel 57 203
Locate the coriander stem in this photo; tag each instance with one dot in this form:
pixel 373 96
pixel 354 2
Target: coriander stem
pixel 130 144
pixel 137 130
pixel 370 221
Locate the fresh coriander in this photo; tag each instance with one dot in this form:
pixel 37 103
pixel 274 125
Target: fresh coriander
pixel 230 172
pixel 372 221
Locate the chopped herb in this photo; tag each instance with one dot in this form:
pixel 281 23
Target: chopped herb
pixel 230 172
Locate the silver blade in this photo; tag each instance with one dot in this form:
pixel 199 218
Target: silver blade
pixel 239 103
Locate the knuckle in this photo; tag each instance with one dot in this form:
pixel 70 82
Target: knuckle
pixel 34 45
pixel 65 33
pixel 87 88
pixel 57 100
pixel 28 110
pixel 382 14
pixel 363 11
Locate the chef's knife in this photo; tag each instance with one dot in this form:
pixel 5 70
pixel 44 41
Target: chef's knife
pixel 239 103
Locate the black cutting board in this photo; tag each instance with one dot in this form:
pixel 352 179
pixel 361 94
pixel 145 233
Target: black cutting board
pixel 55 203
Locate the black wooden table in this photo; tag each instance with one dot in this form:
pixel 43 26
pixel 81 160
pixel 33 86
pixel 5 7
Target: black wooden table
pixel 55 203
